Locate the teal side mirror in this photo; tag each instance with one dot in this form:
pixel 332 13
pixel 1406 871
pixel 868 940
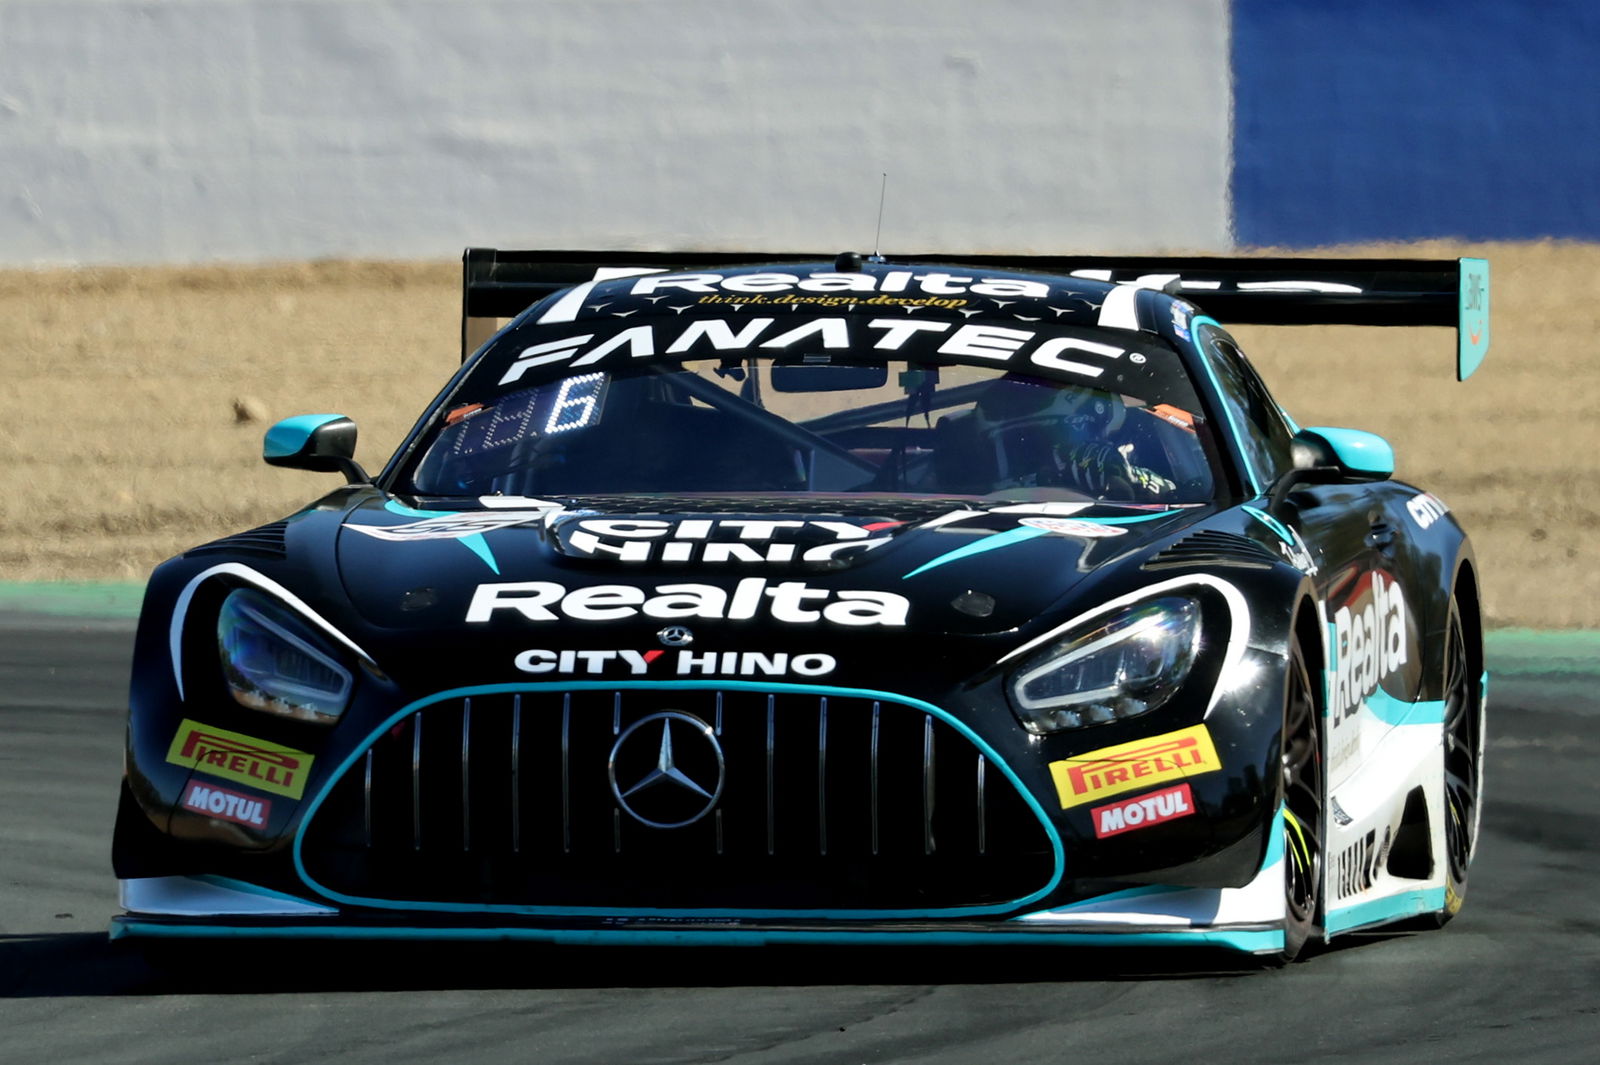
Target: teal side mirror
pixel 322 443
pixel 1360 455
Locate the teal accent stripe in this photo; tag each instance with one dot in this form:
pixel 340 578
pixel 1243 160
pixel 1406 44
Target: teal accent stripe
pixel 1270 522
pixel 1274 853
pixel 473 542
pixel 992 542
pixel 1131 520
pixel 1246 941
pixel 1392 711
pixel 686 685
pixel 995 541
pixel 1126 894
pixel 1216 388
pixel 1379 911
pixel 394 506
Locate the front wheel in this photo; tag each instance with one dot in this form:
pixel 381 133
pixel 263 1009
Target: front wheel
pixel 1302 790
pixel 1463 761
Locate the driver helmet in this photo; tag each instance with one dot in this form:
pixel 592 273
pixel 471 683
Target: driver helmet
pixel 1031 425
pixel 1068 413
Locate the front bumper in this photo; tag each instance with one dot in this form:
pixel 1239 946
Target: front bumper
pixel 433 810
pixel 1245 920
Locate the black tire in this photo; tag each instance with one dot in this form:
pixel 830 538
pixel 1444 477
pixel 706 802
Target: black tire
pixel 1303 791
pixel 1462 800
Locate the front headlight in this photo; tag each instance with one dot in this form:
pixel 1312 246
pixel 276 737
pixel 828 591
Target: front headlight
pixel 1122 667
pixel 273 661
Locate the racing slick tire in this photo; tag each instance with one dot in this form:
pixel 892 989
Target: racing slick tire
pixel 1462 799
pixel 1303 790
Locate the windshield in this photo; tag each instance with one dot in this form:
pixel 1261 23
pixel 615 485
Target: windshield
pixel 824 421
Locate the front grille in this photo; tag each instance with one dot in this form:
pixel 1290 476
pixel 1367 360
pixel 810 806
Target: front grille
pixel 827 803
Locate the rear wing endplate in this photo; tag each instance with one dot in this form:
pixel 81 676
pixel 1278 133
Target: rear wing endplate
pixel 500 284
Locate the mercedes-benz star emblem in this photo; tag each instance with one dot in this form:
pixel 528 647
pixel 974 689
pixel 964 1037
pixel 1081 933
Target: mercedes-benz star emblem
pixel 676 636
pixel 666 770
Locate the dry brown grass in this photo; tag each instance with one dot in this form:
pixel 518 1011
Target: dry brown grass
pixel 118 430
pixel 1513 450
pixel 117 401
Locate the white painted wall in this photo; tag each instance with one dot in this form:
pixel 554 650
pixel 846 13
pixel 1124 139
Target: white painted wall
pixel 190 130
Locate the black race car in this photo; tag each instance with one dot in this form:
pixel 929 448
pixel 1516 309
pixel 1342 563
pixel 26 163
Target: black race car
pixel 831 600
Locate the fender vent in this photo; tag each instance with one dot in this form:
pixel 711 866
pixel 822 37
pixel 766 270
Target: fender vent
pixel 1209 548
pixel 265 542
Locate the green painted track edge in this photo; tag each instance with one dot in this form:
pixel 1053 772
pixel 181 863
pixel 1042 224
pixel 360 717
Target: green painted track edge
pixel 79 599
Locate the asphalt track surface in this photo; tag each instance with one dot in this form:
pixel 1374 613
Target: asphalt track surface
pixel 1516 978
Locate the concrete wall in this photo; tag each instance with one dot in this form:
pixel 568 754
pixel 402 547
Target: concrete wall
pixel 191 130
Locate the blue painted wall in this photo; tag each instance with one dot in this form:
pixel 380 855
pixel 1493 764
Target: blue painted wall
pixel 1406 119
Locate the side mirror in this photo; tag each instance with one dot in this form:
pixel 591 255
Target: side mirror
pixel 1325 455
pixel 322 443
pixel 1358 456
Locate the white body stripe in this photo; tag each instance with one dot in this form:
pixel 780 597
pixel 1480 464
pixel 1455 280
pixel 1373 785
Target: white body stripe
pixel 180 611
pixel 1238 624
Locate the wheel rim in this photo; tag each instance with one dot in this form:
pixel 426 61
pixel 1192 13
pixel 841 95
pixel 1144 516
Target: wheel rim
pixel 1302 797
pixel 1461 740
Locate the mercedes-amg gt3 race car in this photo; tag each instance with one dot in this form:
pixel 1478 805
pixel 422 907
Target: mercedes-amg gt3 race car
pixel 831 601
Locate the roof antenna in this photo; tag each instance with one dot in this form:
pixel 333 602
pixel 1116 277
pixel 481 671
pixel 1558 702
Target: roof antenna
pixel 877 238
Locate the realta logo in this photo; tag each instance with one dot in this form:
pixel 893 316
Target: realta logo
pixel 933 283
pixel 1368 645
pixel 793 602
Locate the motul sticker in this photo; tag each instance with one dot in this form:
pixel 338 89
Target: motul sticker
pixel 232 756
pixel 1158 807
pixel 1131 766
pixel 227 805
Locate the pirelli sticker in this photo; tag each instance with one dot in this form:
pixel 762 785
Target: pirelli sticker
pixel 219 753
pixel 1131 766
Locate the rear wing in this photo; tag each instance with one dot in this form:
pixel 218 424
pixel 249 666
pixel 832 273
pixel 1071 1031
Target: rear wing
pixel 498 285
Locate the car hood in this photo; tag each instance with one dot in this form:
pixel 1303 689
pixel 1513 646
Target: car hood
pixel 837 567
